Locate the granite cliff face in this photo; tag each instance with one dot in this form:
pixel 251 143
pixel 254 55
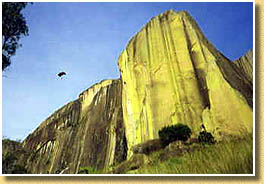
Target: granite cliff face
pixel 86 132
pixel 170 73
pixel 245 65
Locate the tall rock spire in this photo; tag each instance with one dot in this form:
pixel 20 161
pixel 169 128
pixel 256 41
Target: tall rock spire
pixel 172 74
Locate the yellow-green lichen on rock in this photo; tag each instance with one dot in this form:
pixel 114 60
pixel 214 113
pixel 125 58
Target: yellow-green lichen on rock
pixel 172 74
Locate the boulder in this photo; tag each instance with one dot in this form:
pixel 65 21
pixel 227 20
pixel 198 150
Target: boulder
pixel 147 147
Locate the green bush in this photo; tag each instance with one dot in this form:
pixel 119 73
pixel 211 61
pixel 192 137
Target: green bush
pixel 206 137
pixel 88 170
pixel 173 133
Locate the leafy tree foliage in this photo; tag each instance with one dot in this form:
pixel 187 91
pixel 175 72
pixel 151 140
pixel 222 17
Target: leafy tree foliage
pixel 10 165
pixel 173 133
pixel 12 152
pixel 13 27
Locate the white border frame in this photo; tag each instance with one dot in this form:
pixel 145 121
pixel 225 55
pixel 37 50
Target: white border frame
pixel 78 175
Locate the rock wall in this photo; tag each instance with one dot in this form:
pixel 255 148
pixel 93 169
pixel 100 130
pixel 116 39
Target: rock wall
pixel 86 132
pixel 245 65
pixel 172 74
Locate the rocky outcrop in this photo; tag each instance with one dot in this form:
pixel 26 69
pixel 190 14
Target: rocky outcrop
pixel 172 74
pixel 135 162
pixel 147 147
pixel 86 132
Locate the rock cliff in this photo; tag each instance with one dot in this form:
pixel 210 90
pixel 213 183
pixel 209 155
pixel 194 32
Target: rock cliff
pixel 86 132
pixel 170 73
pixel 245 65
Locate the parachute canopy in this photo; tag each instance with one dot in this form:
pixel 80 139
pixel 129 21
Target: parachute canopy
pixel 61 74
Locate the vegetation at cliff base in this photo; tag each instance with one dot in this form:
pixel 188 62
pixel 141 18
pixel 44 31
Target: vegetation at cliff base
pixel 231 156
pixel 176 132
pixel 89 170
pixel 206 137
pixel 12 156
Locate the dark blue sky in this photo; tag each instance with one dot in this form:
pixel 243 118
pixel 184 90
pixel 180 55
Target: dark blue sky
pixel 85 40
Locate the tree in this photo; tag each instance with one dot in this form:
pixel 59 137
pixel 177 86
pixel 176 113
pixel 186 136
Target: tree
pixel 13 157
pixel 13 27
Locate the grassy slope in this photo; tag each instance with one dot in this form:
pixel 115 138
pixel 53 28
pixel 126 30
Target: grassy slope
pixel 234 156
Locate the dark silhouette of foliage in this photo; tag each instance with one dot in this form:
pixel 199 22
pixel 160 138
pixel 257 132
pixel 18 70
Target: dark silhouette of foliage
pixel 173 133
pixel 10 165
pixel 11 154
pixel 206 137
pixel 13 27
pixel 88 170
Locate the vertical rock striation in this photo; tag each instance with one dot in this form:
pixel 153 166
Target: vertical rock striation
pixel 245 65
pixel 86 132
pixel 172 74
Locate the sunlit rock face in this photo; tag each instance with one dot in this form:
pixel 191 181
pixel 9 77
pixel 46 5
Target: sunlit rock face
pixel 86 132
pixel 172 74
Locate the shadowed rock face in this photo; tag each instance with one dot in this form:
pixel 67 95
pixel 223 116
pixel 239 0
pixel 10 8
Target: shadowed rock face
pixel 86 132
pixel 170 74
pixel 245 65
